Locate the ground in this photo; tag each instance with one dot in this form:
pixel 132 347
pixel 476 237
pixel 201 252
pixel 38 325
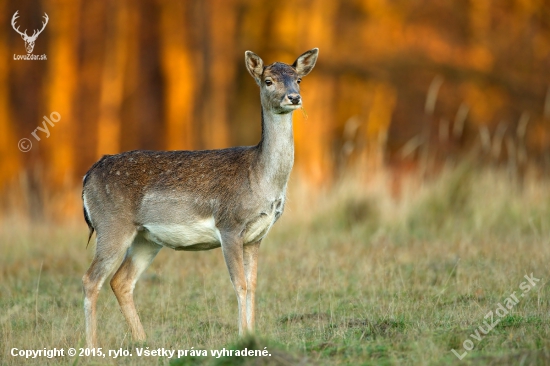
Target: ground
pixel 353 276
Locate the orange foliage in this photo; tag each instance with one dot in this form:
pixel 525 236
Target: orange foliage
pixel 179 68
pixel 170 75
pixel 60 91
pixel 9 157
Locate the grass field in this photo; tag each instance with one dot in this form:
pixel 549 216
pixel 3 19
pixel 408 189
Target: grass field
pixel 350 276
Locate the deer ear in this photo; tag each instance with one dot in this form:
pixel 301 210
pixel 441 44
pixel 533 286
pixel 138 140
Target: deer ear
pixel 305 63
pixel 255 65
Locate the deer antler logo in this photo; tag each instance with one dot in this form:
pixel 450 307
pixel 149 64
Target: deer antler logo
pixel 29 41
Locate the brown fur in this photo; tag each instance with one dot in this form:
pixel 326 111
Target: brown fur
pixel 140 201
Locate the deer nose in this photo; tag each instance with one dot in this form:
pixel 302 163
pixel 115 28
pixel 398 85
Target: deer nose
pixel 294 98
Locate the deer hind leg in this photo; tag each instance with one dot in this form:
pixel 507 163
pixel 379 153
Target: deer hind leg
pixel 138 257
pixel 250 260
pixel 232 248
pixel 110 248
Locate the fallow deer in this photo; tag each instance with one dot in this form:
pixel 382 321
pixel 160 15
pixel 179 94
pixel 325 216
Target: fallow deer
pixel 140 201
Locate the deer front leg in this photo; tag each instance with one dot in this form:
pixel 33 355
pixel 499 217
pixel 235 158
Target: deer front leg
pixel 250 258
pixel 232 248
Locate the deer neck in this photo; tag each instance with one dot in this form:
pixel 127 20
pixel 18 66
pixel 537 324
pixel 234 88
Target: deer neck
pixel 276 149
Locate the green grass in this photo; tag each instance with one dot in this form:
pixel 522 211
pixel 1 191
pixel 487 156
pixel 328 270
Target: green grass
pixel 347 277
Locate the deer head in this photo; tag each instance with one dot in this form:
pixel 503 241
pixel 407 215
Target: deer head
pixel 279 89
pixel 29 41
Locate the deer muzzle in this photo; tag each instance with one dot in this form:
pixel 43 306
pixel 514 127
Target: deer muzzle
pixel 294 98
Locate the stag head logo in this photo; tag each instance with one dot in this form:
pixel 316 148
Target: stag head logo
pixel 29 40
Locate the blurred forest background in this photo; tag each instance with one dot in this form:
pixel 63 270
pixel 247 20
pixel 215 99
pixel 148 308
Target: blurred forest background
pixel 400 87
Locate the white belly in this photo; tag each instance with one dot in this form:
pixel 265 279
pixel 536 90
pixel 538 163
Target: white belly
pixel 184 234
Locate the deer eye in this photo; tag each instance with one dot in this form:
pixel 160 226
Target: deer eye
pixel 299 80
pixel 268 82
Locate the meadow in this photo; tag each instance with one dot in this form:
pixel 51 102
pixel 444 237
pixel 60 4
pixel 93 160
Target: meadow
pixel 348 276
